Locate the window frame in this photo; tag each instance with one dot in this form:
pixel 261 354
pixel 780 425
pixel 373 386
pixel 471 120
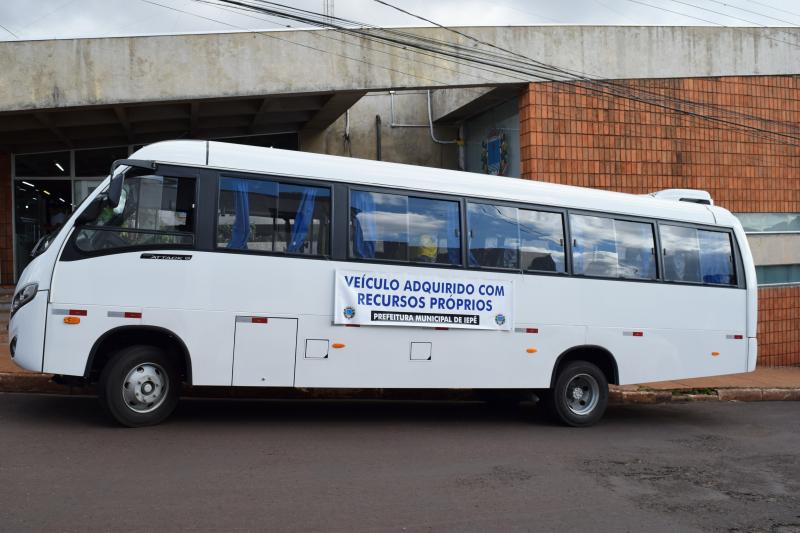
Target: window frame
pixel 350 187
pixel 527 207
pixel 288 180
pixel 738 265
pixel 624 218
pixel 340 230
pixel 71 252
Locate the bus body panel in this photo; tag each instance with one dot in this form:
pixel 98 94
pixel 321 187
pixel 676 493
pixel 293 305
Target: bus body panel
pixel 27 326
pixel 679 333
pixel 381 356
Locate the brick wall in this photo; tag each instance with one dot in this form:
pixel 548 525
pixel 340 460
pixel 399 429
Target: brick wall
pixel 6 241
pixel 572 135
pixel 779 326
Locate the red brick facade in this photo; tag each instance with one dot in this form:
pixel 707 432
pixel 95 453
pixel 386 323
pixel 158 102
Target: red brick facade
pixel 577 136
pixel 6 240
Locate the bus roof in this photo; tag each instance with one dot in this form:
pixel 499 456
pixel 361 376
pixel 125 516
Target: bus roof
pixel 258 159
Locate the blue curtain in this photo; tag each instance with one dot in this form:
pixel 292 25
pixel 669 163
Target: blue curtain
pixel 364 231
pixel 453 235
pixel 302 220
pixel 241 225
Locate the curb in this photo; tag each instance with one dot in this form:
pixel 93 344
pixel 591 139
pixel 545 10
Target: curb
pixel 43 384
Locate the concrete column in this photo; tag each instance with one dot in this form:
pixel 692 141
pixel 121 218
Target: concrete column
pixel 6 238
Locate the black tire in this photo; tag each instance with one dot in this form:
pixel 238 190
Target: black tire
pixel 128 401
pixel 578 409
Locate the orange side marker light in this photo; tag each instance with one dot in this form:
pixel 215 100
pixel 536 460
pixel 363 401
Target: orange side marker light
pixel 72 320
pixel 531 350
pixel 714 354
pixel 337 345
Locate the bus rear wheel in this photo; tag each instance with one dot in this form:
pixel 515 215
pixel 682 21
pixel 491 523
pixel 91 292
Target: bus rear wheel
pixel 580 395
pixel 139 386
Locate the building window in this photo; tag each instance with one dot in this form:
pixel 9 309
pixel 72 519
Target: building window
pixel 778 274
pixel 770 222
pixel 47 165
pixel 97 162
pixel 775 243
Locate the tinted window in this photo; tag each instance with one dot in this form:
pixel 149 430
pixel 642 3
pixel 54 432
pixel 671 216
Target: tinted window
pixel 268 216
pixel 401 228
pixel 612 248
pixel 152 210
pixel 493 236
pixel 380 226
pixel 716 258
pixel 433 228
pixel 697 256
pixel 636 249
pixel 541 241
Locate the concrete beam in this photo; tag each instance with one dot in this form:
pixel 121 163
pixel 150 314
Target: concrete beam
pixel 333 109
pixel 454 105
pixel 87 72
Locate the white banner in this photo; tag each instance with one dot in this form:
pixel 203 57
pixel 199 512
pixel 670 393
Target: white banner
pixel 375 298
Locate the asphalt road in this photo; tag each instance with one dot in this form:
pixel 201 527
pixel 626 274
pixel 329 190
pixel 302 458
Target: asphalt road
pixel 225 465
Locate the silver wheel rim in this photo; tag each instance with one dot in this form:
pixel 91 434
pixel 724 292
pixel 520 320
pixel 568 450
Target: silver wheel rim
pixel 145 387
pixel 582 394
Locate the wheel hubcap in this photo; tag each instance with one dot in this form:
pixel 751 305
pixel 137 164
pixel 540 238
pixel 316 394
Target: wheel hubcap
pixel 582 394
pixel 145 387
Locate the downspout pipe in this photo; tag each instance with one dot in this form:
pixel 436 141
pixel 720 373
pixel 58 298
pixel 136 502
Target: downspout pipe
pixel 430 124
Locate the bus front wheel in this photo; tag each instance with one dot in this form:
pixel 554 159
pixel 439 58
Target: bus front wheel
pixel 580 395
pixel 139 386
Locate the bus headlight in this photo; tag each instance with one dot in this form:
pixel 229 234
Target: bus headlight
pixel 24 296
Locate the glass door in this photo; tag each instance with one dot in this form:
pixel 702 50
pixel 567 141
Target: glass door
pixel 41 207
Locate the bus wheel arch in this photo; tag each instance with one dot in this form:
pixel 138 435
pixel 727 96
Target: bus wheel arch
pixel 597 355
pixel 119 338
pixel 578 393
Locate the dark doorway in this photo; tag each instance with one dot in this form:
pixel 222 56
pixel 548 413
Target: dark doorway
pixel 41 208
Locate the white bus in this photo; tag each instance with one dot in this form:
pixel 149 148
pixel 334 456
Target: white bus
pixel 213 264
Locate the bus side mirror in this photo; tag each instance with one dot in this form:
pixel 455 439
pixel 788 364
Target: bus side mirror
pixel 92 210
pixel 115 190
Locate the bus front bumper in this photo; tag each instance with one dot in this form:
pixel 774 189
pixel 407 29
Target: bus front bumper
pixel 26 333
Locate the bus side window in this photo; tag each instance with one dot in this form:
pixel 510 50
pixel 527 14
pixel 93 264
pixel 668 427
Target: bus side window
pixel 716 258
pixel 263 215
pixel 397 227
pixel 379 224
pixel 611 248
pixel 434 235
pixel 493 236
pixel 681 253
pixel 594 251
pixel 541 241
pixel 152 211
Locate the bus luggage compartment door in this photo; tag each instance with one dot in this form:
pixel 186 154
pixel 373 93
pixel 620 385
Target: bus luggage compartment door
pixel 264 351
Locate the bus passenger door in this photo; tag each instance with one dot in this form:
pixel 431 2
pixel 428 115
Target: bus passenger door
pixel 264 350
